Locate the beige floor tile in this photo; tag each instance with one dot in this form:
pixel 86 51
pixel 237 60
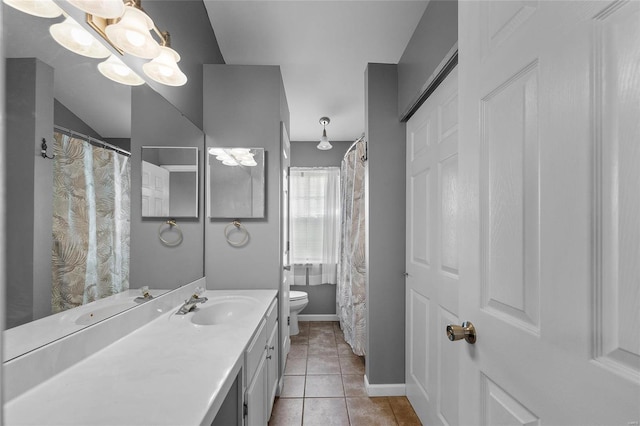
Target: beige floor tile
pixel 293 387
pixel 323 340
pixel 354 385
pixel 323 386
pixel 351 365
pixel 296 367
pixel 344 349
pixel 402 409
pixel 370 412
pixel 323 365
pixel 323 350
pixel 287 412
pixel 298 351
pixel 325 412
pixel 300 339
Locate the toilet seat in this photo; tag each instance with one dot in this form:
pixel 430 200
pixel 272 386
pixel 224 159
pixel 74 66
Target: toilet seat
pixel 297 295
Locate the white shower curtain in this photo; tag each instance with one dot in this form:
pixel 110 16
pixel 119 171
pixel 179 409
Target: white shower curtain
pixel 351 292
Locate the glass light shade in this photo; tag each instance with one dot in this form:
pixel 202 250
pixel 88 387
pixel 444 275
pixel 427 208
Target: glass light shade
pixel 131 34
pixel 230 162
pixel 250 163
pixel 109 9
pixel 216 151
pixel 71 35
pixel 164 68
pixel 114 69
pixel 324 142
pixel 40 8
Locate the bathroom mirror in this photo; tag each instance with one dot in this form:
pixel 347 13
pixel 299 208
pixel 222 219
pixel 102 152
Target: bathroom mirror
pixel 235 178
pixel 169 181
pixel 81 99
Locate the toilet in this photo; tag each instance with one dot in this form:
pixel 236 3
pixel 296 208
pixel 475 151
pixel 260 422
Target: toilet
pixel 298 300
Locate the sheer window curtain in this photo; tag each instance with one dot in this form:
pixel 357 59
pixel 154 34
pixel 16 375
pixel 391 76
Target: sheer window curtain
pixel 315 224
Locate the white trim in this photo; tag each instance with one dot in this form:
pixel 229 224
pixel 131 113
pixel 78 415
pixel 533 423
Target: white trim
pixel 180 167
pixel 318 317
pixel 397 389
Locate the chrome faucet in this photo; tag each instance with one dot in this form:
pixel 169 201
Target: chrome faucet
pixel 189 305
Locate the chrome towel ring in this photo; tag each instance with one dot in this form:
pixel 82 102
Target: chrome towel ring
pixel 234 227
pixel 173 226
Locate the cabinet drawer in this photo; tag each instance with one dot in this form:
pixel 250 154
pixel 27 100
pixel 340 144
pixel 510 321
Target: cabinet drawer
pixel 255 351
pixel 272 316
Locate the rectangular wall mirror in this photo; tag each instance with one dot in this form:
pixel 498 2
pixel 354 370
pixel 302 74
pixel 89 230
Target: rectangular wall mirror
pixel 235 178
pixel 169 181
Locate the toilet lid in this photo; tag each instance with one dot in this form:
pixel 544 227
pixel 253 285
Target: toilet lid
pixel 297 295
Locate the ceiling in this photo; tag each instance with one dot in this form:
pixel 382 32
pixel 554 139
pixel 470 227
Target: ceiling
pixel 322 47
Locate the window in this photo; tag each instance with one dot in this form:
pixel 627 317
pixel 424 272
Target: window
pixel 315 218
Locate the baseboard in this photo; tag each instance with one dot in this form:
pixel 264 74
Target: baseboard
pixel 318 317
pixel 398 389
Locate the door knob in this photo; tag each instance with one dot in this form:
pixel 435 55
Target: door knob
pixel 465 331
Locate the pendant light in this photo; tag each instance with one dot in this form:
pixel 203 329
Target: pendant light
pixel 324 140
pixel 164 68
pixel 131 34
pixel 39 8
pixel 72 36
pixel 114 69
pixel 109 9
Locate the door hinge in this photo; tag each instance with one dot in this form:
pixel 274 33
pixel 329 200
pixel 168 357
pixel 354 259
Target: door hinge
pixel 245 410
pixel 288 320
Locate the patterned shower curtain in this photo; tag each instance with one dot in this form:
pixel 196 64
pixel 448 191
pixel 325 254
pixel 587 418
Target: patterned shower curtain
pixel 352 269
pixel 91 209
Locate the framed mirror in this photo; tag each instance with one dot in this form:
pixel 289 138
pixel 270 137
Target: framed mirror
pixel 235 177
pixel 169 181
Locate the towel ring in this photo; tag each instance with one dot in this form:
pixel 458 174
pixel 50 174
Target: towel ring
pixel 238 227
pixel 172 225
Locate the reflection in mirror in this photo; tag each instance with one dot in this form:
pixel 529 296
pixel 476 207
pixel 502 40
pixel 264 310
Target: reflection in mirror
pixel 169 181
pixel 47 86
pixel 236 183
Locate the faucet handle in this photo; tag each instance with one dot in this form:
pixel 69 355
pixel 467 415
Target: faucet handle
pixel 198 291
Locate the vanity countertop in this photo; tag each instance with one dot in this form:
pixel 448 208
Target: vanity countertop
pixel 168 372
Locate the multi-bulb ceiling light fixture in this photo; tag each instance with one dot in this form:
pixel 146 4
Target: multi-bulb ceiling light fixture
pixel 324 140
pixel 234 156
pixel 125 26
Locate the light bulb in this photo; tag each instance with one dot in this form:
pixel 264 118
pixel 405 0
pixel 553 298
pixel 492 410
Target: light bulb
pixel 164 68
pixel 70 35
pixel 114 69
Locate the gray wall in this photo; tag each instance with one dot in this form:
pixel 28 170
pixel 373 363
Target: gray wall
pixel 3 207
pixel 156 122
pixel 30 92
pixel 435 35
pixel 322 298
pixel 193 38
pixel 64 117
pixel 305 154
pixel 385 185
pixel 243 108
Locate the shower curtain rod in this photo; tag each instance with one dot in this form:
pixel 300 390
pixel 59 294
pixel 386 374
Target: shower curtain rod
pixel 92 141
pixel 353 145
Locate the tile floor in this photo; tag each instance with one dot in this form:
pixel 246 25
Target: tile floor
pixel 324 385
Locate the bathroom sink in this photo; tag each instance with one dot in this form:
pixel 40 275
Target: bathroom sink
pixel 224 310
pixel 102 312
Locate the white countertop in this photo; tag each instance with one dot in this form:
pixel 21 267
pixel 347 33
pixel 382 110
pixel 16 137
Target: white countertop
pixel 169 372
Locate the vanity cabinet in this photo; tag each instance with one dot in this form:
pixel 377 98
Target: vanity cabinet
pixel 261 368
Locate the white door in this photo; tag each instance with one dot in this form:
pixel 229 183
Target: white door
pixel 432 255
pixel 155 190
pixel 549 198
pixel 287 273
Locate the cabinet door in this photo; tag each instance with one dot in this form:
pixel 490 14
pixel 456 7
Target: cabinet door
pixel 256 397
pixel 272 368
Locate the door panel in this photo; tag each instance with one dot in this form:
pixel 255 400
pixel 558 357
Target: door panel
pixel 432 254
pixel 549 220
